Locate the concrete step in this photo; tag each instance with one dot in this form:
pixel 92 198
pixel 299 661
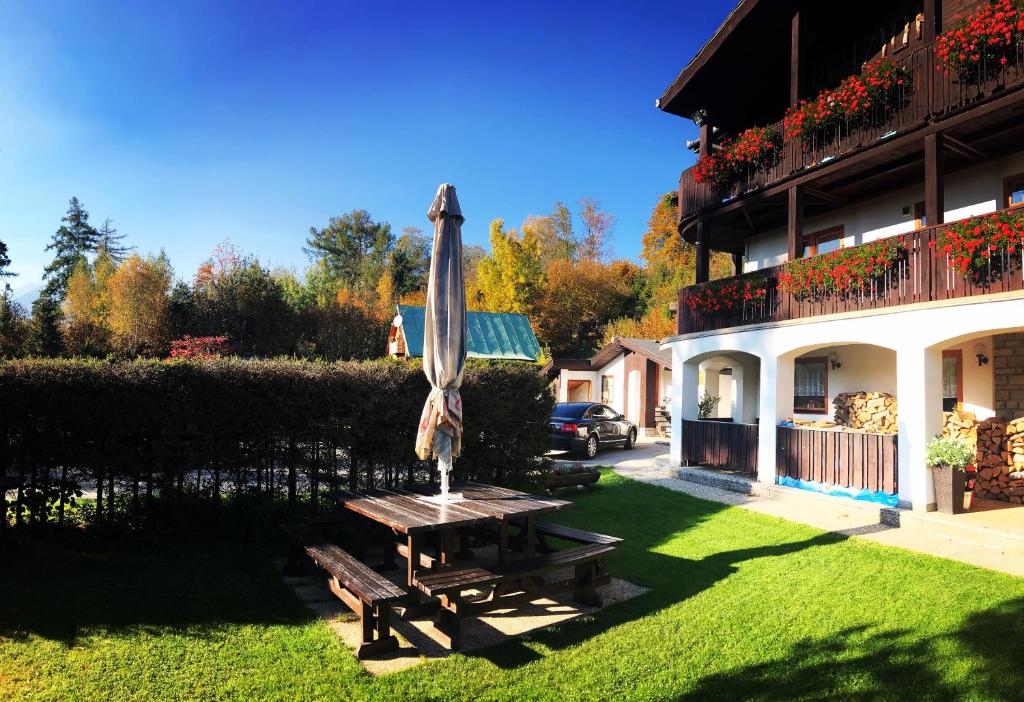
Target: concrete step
pixel 723 481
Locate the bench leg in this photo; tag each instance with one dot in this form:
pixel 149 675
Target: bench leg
pixel 585 591
pixel 378 621
pixel 448 622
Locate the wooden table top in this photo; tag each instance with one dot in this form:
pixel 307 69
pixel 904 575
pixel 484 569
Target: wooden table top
pixel 409 513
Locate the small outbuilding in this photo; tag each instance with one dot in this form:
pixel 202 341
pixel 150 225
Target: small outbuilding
pixel 496 335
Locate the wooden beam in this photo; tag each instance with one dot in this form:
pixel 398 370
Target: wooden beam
pixel 934 181
pixel 795 65
pixel 795 224
pixel 822 195
pixel 932 20
pixel 707 139
pixel 750 222
pixel 955 145
pixel 703 253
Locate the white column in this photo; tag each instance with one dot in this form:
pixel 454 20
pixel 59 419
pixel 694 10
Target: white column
pixel 776 404
pixel 712 386
pixel 676 404
pixel 738 381
pixel 919 408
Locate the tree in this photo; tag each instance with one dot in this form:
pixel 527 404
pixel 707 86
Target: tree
pixel 13 325
pixel 44 337
pixel 554 246
pixel 354 249
pixel 71 242
pixel 656 324
pixel 671 262
pixel 85 330
pixel 472 255
pixel 578 300
pixel 235 296
pixel 5 261
pixel 594 245
pixel 511 278
pixel 140 302
pixel 409 262
pixel 109 240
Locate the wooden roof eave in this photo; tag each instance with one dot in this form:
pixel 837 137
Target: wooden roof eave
pixel 738 14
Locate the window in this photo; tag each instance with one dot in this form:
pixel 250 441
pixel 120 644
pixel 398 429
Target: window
pixel 952 380
pixel 606 388
pixel 823 242
pixel 810 385
pixel 1013 190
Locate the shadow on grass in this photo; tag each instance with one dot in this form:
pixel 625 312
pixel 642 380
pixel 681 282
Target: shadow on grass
pixel 62 590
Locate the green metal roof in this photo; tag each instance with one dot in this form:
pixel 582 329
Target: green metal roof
pixel 491 334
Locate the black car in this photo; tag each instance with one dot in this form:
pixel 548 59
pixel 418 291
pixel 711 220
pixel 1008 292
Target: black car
pixel 584 427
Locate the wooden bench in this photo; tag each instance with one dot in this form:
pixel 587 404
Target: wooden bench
pixel 366 592
pixel 543 529
pixel 448 585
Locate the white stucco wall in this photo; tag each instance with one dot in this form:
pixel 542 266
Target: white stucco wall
pixel 979 381
pixel 665 386
pixel 617 370
pixel 968 192
pixel 566 375
pixel 917 334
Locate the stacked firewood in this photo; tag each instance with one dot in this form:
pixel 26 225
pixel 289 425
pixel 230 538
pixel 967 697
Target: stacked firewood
pixel 999 452
pixel 867 411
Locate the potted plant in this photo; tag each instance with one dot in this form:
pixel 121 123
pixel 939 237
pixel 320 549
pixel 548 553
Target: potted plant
pixel 948 458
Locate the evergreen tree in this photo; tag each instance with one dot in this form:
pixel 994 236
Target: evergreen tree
pixel 109 240
pixel 72 241
pixel 354 249
pixel 44 337
pixel 409 262
pixel 12 325
pixel 5 261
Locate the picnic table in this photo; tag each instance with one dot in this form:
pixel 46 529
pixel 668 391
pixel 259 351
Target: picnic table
pixel 484 510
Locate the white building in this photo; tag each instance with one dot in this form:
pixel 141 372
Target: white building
pixel 943 149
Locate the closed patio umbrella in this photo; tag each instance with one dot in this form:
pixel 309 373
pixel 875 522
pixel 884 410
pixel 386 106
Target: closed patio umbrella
pixel 444 339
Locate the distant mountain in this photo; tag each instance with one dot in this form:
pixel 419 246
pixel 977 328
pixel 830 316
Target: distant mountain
pixel 25 295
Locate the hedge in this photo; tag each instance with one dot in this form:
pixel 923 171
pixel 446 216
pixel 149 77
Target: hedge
pixel 147 430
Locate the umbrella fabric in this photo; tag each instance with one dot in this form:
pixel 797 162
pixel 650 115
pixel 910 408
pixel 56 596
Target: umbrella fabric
pixel 444 333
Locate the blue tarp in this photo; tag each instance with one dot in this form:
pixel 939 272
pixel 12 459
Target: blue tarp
pixel 881 498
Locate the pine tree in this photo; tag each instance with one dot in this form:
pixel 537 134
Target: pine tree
pixel 12 325
pixel 44 328
pixel 109 240
pixel 72 241
pixel 5 261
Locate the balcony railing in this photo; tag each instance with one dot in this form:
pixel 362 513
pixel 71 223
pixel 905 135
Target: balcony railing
pixel 918 275
pixel 929 94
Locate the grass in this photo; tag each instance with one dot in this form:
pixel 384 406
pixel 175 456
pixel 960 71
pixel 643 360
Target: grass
pixel 743 606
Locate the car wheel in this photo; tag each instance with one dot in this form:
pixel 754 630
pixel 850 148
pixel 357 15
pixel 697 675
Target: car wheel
pixel 630 439
pixel 591 448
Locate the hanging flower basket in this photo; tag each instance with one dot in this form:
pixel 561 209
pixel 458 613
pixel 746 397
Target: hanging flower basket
pixel 855 101
pixel 752 150
pixel 841 272
pixel 728 295
pixel 980 247
pixel 981 43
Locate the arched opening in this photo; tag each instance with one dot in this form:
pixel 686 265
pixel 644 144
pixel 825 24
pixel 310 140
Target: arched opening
pixel 982 391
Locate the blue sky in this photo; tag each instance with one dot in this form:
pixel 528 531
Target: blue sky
pixel 192 122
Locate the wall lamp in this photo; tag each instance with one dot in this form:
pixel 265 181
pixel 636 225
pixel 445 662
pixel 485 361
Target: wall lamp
pixel 979 351
pixel 833 360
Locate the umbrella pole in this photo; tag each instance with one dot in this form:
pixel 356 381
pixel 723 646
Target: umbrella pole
pixel 444 466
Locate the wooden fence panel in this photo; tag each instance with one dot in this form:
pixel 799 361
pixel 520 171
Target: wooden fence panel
pixel 846 459
pixel 720 445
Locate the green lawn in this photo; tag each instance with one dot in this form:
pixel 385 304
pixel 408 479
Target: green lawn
pixel 742 606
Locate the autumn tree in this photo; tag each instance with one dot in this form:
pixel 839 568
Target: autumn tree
pixel 72 241
pixel 595 240
pixel 353 248
pixel 578 300
pixel 511 277
pixel 139 306
pixel 84 332
pixel 554 234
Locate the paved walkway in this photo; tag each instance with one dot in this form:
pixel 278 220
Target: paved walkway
pixel 934 534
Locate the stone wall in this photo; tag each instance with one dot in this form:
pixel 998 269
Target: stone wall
pixel 1008 352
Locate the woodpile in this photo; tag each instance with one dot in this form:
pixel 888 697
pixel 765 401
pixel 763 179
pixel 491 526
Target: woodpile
pixel 999 453
pixel 866 411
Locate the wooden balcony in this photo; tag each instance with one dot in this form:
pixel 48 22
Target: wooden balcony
pixel 917 276
pixel 930 96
